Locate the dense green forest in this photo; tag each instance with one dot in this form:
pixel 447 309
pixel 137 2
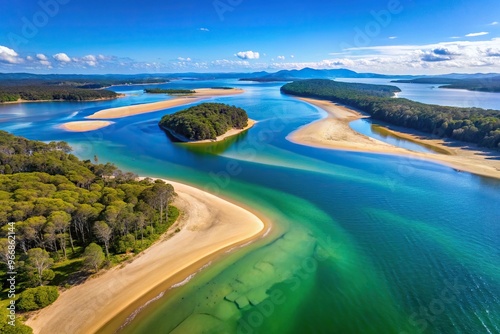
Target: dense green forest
pixel 49 92
pixel 205 121
pixel 491 84
pixel 473 125
pixel 70 217
pixel 168 91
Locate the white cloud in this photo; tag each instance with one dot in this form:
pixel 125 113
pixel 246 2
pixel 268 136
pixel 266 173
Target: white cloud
pixel 292 56
pixel 493 23
pixel 41 56
pixel 444 57
pixel 393 37
pixel 281 57
pixel 9 56
pixel 62 58
pixel 248 55
pixel 475 34
pixel 204 29
pixel 90 60
pixel 455 37
pixel 183 59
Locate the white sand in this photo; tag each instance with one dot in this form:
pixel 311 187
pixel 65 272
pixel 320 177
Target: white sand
pixel 334 132
pixel 82 126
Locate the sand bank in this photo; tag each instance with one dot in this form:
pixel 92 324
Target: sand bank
pixel 334 132
pixel 82 126
pixel 200 94
pixel 209 225
pixel 230 133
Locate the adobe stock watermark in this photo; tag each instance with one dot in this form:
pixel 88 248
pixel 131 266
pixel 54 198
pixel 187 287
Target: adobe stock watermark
pixel 249 150
pixel 223 6
pixel 381 19
pixel 30 26
pixel 252 321
pixel 11 273
pixel 425 316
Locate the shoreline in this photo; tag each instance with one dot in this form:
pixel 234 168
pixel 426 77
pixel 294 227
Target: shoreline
pixel 334 132
pixel 41 101
pixel 200 94
pixel 230 133
pixel 210 225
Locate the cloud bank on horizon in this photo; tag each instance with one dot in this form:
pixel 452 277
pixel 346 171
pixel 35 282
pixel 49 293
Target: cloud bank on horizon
pixel 384 36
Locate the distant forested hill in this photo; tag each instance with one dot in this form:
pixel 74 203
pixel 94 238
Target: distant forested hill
pixel 56 93
pixel 205 121
pixel 473 125
pixel 487 84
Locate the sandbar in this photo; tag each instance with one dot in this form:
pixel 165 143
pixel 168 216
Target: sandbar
pixel 82 126
pixel 333 132
pixel 208 225
pixel 179 100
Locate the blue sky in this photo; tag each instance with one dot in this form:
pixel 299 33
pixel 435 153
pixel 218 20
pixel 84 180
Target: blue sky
pixel 150 36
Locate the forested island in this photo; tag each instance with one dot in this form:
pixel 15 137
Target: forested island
pixel 474 125
pixel 69 218
pixel 204 121
pixel 491 84
pixel 168 91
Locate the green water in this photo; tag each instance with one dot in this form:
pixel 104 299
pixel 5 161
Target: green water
pixel 360 243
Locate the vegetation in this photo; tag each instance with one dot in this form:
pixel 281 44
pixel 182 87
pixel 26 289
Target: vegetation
pixel 60 206
pixel 491 84
pixel 222 87
pixel 17 327
pixel 168 91
pixel 473 125
pixel 57 93
pixel 37 298
pixel 94 256
pixel 205 121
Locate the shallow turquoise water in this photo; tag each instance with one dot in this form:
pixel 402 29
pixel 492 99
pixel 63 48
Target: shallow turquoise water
pixel 363 243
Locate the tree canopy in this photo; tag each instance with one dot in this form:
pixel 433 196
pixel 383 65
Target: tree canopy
pixel 473 125
pixel 205 121
pixel 57 93
pixel 60 205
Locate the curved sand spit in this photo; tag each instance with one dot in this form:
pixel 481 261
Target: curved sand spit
pixel 334 132
pixel 210 224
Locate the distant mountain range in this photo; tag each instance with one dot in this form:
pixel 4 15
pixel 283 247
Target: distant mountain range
pixel 263 76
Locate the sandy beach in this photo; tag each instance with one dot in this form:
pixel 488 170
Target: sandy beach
pixel 202 93
pixel 228 134
pixel 334 132
pixel 82 126
pixel 208 225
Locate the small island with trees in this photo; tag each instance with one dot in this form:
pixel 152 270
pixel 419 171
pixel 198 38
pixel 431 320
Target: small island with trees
pixel 206 122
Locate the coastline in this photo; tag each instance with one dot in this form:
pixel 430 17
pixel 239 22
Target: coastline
pixel 83 126
pixel 210 226
pixel 333 132
pixel 230 133
pixel 40 101
pixel 201 93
